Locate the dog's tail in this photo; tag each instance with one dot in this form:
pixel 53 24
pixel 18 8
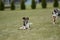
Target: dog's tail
pixel 30 23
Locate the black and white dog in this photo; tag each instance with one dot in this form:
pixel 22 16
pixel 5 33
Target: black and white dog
pixel 54 15
pixel 26 24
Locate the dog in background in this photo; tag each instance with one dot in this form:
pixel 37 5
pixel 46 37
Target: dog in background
pixel 54 15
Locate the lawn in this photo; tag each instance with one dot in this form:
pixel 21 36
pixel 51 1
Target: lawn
pixel 41 29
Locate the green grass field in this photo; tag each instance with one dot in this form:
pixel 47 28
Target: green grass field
pixel 41 29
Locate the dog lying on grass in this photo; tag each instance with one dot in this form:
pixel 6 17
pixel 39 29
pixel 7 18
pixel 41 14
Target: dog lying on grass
pixel 26 24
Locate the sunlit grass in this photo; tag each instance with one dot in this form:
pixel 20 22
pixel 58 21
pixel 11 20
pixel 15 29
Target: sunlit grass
pixel 41 29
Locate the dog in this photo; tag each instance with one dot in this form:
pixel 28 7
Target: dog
pixel 54 15
pixel 26 24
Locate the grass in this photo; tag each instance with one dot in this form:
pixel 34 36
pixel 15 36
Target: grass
pixel 41 29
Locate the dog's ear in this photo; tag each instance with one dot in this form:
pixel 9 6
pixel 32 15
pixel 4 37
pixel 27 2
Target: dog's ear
pixel 27 18
pixel 23 18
